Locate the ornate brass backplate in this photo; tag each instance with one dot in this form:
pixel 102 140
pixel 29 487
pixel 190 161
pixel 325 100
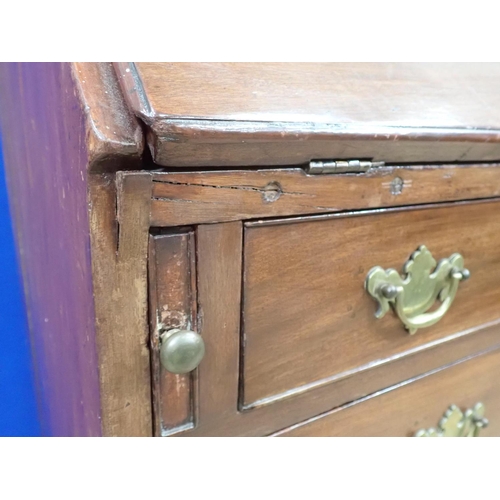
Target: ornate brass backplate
pixel 414 294
pixel 457 424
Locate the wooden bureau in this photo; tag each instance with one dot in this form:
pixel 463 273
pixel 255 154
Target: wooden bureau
pixel 259 249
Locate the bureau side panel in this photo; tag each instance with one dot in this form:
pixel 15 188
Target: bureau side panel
pixel 44 137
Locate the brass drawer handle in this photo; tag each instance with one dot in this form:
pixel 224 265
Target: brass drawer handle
pixel 413 295
pixel 457 424
pixel 181 351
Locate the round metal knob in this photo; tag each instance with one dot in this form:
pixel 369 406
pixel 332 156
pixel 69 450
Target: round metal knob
pixel 460 274
pixel 389 291
pixel 181 351
pixel 465 274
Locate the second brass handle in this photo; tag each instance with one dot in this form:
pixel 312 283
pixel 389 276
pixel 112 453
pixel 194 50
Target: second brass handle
pixel 412 296
pixel 456 423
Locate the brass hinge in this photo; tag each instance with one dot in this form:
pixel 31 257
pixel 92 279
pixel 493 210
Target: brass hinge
pixel 342 166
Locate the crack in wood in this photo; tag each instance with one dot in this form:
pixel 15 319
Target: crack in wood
pixel 239 188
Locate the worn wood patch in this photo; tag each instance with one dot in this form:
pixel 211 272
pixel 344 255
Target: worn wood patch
pixel 119 260
pixel 172 299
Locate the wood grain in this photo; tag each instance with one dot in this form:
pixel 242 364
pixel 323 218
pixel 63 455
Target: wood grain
pixel 219 250
pixel 119 260
pixel 266 419
pixel 232 114
pixel 62 121
pixel 404 409
pixel 424 95
pixel 114 137
pixel 202 197
pixel 192 143
pixel 172 300
pixel 307 317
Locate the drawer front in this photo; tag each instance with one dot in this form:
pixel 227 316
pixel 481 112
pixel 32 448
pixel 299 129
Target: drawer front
pixel 416 405
pixel 307 319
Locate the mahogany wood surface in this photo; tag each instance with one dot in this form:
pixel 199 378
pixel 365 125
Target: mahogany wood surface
pixel 306 314
pixel 219 249
pixel 119 265
pixel 404 409
pixel 221 394
pixel 58 122
pixel 269 418
pixel 114 137
pixel 268 265
pixel 233 114
pixel 172 300
pixel 201 197
pixel 391 93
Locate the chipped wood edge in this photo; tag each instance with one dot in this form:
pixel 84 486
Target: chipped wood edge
pixel 119 251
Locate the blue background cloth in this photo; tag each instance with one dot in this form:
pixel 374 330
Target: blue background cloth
pixel 18 407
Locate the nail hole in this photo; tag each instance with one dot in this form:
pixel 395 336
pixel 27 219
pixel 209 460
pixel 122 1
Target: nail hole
pixel 271 192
